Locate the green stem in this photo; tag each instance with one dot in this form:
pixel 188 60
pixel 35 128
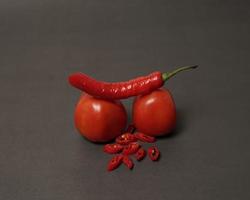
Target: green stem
pixel 168 75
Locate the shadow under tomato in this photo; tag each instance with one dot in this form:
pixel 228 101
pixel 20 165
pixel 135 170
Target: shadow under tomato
pixel 85 140
pixel 181 123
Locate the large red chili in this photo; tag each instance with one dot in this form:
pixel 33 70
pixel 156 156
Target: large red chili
pixel 122 90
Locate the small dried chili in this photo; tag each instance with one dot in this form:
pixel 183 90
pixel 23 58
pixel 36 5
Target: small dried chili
pixel 125 139
pixel 144 138
pixel 113 148
pixel 153 153
pixel 140 154
pixel 122 90
pixel 131 148
pixel 131 128
pixel 128 162
pixel 115 162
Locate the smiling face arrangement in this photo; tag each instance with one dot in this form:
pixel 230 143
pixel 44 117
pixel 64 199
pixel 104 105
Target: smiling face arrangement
pixel 100 116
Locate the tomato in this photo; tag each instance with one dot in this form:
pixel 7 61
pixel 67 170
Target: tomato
pixel 154 114
pixel 99 120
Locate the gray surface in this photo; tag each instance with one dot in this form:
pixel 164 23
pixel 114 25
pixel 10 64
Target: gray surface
pixel 41 154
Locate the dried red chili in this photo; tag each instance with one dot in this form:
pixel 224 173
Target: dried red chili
pixel 125 139
pixel 112 148
pixel 131 148
pixel 130 129
pixel 128 162
pixel 144 138
pixel 140 154
pixel 115 162
pixel 122 90
pixel 153 153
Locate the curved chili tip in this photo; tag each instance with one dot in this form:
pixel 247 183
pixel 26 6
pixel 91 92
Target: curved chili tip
pixel 74 80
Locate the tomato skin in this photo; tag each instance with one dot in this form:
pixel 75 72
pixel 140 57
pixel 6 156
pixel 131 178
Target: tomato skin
pixel 99 120
pixel 155 113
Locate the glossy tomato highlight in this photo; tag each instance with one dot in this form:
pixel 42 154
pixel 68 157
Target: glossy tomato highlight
pixel 154 113
pixel 99 120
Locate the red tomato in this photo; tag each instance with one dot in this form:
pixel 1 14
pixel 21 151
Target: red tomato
pixel 99 120
pixel 154 114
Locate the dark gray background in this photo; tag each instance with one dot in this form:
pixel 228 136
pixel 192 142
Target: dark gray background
pixel 41 42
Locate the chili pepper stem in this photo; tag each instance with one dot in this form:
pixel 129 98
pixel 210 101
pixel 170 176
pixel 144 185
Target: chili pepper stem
pixel 168 75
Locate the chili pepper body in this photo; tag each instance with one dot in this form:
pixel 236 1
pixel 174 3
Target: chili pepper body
pixel 125 139
pixel 131 148
pixel 153 153
pixel 144 138
pixel 140 154
pixel 115 162
pixel 128 162
pixel 131 128
pixel 112 148
pixel 122 90
pixel 119 90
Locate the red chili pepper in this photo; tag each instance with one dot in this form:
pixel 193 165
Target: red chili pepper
pixel 131 148
pixel 125 139
pixel 115 162
pixel 144 138
pixel 128 162
pixel 153 153
pixel 112 148
pixel 140 154
pixel 131 128
pixel 122 90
